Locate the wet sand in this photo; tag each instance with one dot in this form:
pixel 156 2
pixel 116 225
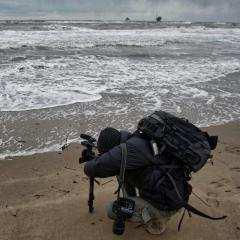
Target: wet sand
pixel 45 197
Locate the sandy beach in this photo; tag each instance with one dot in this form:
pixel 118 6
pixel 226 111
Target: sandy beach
pixel 45 197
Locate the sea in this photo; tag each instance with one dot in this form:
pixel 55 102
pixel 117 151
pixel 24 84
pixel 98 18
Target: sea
pixel 59 79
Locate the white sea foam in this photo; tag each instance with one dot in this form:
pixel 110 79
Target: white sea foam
pixel 48 146
pixel 28 86
pixel 36 84
pixel 9 154
pixel 211 100
pixel 58 37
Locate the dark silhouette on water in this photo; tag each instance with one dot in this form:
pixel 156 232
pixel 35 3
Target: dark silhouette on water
pixel 158 19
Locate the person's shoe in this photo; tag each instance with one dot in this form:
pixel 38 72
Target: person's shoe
pixel 156 227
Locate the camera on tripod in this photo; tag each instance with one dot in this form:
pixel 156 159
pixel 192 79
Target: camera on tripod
pixel 123 208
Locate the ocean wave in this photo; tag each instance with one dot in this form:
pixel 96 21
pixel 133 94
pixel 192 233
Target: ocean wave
pixel 37 84
pixel 32 100
pixel 44 83
pixel 18 59
pixel 85 37
pixel 9 154
pixel 139 45
pixel 89 45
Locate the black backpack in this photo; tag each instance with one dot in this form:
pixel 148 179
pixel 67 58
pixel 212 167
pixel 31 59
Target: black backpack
pixel 177 136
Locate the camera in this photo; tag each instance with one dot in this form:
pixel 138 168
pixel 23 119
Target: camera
pixel 87 153
pixel 123 208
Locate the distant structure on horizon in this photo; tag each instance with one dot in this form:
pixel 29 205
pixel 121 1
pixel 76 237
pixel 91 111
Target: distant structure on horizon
pixel 158 19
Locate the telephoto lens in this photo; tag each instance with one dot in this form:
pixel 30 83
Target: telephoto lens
pixel 123 208
pixel 119 225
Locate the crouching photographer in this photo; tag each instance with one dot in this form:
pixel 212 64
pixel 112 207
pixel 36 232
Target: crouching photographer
pixel 157 160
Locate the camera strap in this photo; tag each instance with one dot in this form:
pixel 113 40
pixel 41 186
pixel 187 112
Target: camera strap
pixel 121 176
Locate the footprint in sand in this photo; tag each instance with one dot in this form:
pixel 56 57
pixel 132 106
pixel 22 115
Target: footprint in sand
pixel 212 194
pixel 212 199
pixel 233 149
pixel 220 183
pixel 235 169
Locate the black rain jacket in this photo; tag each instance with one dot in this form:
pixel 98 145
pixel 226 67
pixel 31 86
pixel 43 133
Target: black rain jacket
pixel 143 172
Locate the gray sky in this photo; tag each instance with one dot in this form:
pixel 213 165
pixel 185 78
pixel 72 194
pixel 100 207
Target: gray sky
pixel 198 10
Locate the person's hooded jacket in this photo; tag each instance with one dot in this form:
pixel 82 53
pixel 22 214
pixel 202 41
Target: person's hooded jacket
pixel 143 172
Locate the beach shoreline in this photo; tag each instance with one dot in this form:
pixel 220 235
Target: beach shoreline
pixel 56 147
pixel 44 196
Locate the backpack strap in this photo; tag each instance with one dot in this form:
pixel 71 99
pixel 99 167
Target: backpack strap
pixel 201 214
pixel 121 176
pixel 188 207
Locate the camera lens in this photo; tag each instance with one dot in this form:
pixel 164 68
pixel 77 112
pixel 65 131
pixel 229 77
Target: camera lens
pixel 119 226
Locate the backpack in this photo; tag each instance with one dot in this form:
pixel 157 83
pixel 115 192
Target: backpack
pixel 190 147
pixel 177 136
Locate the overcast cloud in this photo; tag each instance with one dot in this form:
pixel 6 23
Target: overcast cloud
pixel 199 10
